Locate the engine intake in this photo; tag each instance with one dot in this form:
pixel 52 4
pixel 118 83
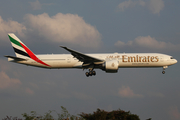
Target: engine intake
pixel 111 66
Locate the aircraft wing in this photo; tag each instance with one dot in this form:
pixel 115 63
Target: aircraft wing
pixel 86 59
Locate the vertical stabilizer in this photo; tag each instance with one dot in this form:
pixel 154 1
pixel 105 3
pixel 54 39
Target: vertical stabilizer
pixel 17 45
pixel 22 51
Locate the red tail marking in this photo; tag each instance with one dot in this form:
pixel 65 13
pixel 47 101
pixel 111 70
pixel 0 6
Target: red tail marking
pixel 31 54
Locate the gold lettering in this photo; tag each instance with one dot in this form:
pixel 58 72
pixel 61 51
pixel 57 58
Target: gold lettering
pixel 148 58
pixel 131 59
pixel 152 58
pixel 110 56
pixel 117 56
pixel 157 59
pixel 123 58
pixel 140 58
pixel 136 58
pixel 144 59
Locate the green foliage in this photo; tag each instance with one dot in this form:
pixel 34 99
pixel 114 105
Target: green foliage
pixel 98 115
pixel 113 115
pixel 30 117
pixel 48 116
pixel 35 116
pixel 63 116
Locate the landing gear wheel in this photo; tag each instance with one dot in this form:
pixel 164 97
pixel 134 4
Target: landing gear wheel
pixel 164 67
pixel 87 74
pixel 93 72
pixel 90 73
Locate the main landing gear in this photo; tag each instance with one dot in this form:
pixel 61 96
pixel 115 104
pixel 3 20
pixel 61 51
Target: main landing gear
pixel 90 73
pixel 164 67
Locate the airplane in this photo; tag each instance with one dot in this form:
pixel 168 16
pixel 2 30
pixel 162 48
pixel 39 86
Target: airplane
pixel 108 62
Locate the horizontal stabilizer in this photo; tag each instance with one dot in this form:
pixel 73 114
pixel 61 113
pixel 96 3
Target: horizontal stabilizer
pixel 15 58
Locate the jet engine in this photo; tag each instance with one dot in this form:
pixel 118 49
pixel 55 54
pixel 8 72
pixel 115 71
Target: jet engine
pixel 111 66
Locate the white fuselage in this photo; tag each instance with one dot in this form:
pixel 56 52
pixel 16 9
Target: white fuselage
pixel 106 62
pixel 124 60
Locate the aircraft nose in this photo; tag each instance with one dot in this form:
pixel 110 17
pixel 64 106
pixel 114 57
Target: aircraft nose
pixel 174 61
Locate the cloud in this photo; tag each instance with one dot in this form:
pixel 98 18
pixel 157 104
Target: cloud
pixel 6 82
pixel 4 65
pixel 10 26
pixel 155 6
pixel 36 5
pixel 174 113
pixel 125 4
pixel 150 43
pixel 63 28
pixel 29 91
pixel 126 92
pixel 13 85
pixel 130 3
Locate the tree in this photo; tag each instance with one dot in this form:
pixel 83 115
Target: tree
pixel 113 115
pixel 30 117
pixel 98 115
pixel 48 116
pixel 64 115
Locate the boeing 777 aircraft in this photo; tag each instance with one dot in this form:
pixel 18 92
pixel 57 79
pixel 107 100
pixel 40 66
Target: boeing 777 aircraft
pixel 109 62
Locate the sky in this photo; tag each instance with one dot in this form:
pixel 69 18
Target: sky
pixel 130 26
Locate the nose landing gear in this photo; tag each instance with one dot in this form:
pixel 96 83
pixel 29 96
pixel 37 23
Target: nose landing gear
pixel 164 67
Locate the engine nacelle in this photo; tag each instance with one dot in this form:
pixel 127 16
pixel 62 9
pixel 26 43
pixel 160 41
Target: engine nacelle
pixel 111 66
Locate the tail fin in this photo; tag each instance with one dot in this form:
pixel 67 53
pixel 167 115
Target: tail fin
pixel 20 49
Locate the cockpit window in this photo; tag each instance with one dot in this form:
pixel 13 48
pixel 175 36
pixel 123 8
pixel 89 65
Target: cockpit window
pixel 172 58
